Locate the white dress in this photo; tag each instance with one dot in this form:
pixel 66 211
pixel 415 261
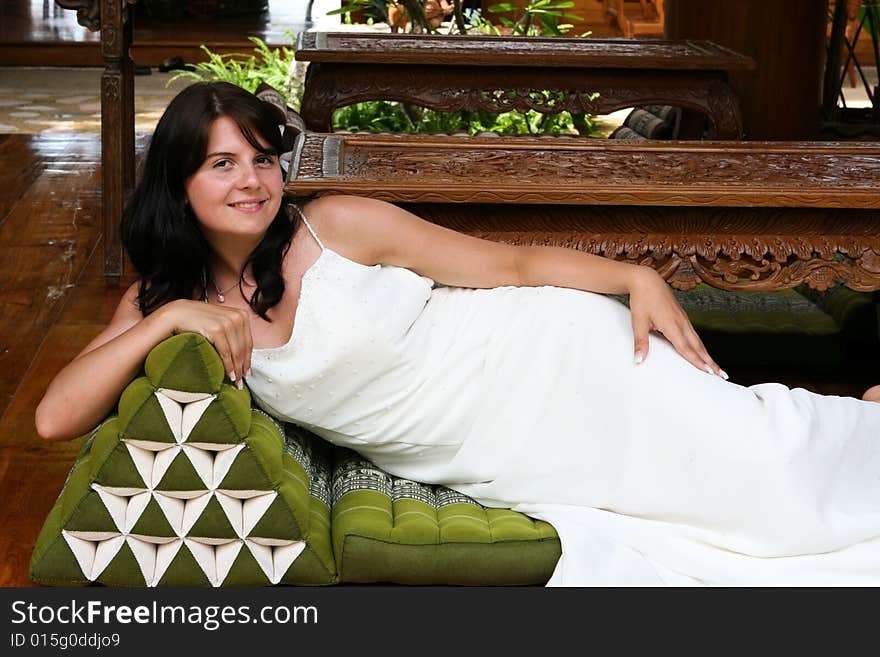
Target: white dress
pixel 529 398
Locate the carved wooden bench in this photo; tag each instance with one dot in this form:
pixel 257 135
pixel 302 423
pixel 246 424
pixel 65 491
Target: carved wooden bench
pixel 735 215
pixel 503 73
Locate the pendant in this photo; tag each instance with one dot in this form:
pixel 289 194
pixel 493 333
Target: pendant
pixel 221 298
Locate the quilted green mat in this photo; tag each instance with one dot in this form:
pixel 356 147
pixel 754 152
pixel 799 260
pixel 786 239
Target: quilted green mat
pixel 188 485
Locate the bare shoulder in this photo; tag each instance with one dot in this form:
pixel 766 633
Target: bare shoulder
pixel 351 225
pixel 340 209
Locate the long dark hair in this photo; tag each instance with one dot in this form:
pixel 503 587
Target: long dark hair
pixel 160 231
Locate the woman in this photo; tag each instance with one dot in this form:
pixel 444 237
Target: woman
pixel 510 382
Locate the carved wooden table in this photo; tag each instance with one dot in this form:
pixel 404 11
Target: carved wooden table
pixel 503 73
pixel 736 215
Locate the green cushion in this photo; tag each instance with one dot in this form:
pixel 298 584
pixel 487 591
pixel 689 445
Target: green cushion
pixel 387 529
pixel 785 311
pixel 191 489
pixel 190 486
pixel 777 329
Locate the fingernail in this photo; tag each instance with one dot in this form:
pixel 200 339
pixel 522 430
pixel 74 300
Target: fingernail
pixel 240 385
pixel 724 375
pixel 232 376
pixel 640 357
pixel 708 368
pixel 247 374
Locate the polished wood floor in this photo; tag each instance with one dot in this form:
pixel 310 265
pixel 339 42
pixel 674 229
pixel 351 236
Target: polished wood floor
pixel 38 33
pixel 53 300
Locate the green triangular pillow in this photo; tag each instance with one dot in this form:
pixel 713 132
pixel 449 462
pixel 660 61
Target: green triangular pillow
pixel 187 486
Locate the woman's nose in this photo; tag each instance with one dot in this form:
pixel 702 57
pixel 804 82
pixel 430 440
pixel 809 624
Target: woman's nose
pixel 249 177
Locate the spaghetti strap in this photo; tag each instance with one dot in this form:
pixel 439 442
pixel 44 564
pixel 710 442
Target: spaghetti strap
pixel 309 226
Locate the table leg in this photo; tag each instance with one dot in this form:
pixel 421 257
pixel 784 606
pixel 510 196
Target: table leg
pixel 117 129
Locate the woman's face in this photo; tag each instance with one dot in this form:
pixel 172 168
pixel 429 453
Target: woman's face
pixel 237 191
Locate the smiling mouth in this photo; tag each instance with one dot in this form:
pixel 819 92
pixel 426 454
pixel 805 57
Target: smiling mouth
pixel 248 205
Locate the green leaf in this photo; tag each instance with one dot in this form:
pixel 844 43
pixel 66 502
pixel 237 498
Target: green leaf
pixel 503 6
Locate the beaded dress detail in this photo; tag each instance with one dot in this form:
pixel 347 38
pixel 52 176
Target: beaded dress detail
pixel 528 398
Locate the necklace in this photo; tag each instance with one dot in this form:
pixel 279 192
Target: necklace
pixel 221 294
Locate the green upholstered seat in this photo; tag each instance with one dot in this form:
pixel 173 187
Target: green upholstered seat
pixel 794 327
pixel 188 485
pixel 387 529
pixel 798 326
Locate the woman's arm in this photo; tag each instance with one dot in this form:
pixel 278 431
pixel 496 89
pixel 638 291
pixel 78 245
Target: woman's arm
pixel 371 231
pixel 87 389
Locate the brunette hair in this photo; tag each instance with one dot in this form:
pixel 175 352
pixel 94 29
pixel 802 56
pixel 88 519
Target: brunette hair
pixel 160 231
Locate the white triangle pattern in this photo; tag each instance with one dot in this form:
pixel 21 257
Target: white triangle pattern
pixel 173 415
pixel 275 560
pixel 192 413
pixel 95 550
pixel 183 397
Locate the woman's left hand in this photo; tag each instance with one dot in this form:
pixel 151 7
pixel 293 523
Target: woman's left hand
pixel 655 308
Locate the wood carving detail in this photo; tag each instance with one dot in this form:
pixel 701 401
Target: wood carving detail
pixel 625 169
pixel 481 50
pixel 586 197
pixel 88 12
pixel 642 49
pixel 729 248
pixel 724 108
pixel 684 264
pixel 311 159
pixel 330 86
pixel 110 88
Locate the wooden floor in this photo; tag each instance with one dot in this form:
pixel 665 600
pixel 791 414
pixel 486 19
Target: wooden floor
pixel 40 34
pixel 52 302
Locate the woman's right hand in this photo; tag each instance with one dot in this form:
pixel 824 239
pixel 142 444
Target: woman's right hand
pixel 227 328
pixel 88 387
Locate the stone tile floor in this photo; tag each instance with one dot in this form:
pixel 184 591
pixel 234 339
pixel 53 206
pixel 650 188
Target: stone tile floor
pixel 36 100
pixel 58 100
pixel 857 96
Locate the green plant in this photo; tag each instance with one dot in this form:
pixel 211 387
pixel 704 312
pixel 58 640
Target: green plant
pixel 868 16
pixel 387 116
pixel 539 18
pixel 274 66
pixel 277 67
pixel 419 15
pixel 373 9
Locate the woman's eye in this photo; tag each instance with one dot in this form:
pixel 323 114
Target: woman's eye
pixel 221 164
pixel 266 160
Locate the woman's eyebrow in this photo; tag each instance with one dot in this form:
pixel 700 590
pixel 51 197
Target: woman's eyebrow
pixel 214 154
